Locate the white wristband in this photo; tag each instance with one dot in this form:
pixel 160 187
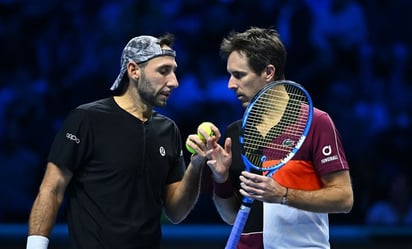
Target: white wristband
pixel 37 242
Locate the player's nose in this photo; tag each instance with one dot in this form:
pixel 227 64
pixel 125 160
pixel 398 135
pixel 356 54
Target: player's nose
pixel 232 83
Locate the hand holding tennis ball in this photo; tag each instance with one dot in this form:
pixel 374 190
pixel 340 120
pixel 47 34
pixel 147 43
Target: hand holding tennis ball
pixel 205 126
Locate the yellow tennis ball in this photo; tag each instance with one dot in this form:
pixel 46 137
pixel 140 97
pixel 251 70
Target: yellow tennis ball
pixel 206 126
pixel 190 149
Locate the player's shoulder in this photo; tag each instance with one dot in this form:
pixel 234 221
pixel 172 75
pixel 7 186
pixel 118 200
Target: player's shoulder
pixel 320 115
pixel 322 120
pixel 161 119
pixel 233 129
pixel 319 112
pixel 97 105
pixel 98 108
pixel 235 125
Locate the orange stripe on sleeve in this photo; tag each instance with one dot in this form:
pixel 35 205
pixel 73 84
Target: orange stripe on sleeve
pixel 298 174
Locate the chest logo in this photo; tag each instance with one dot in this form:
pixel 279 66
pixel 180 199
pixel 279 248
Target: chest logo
pixel 288 142
pixel 162 151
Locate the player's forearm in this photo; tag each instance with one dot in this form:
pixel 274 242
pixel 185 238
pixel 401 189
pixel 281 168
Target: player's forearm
pixel 226 201
pixel 184 197
pixel 43 214
pixel 326 200
pixel 227 207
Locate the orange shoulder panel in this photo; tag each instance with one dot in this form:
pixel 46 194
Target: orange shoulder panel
pixel 298 174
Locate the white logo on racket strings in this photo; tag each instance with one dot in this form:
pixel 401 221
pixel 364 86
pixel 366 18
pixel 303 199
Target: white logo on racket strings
pixel 73 138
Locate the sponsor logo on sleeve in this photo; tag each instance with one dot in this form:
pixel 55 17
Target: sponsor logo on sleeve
pixel 327 151
pixel 73 138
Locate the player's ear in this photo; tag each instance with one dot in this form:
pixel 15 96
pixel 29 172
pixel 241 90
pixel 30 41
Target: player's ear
pixel 269 73
pixel 133 70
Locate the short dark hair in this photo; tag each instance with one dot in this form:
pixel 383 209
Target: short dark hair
pixel 166 39
pixel 261 46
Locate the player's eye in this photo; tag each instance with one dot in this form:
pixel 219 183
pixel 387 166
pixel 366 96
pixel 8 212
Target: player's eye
pixel 165 70
pixel 238 75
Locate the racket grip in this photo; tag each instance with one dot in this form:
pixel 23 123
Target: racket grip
pixel 237 228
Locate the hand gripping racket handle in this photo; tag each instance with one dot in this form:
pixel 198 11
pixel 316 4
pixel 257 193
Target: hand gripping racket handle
pixel 237 228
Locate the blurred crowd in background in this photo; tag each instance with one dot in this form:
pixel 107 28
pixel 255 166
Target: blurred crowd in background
pixel 353 56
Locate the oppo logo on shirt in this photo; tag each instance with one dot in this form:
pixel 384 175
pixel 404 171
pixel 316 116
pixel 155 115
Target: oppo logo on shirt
pixel 73 138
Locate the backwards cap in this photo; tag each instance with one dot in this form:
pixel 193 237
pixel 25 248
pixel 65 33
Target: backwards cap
pixel 140 49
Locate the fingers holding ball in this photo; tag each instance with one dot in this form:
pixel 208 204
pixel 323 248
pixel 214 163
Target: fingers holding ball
pixel 205 127
pixel 189 148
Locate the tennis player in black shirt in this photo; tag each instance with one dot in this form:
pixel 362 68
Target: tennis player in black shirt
pixel 118 162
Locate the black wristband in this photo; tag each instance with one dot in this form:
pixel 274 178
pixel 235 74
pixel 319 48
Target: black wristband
pixel 285 197
pixel 223 190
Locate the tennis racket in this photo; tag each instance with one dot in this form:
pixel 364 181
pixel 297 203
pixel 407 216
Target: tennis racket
pixel 274 126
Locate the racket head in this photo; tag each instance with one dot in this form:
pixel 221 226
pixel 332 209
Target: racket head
pixel 275 125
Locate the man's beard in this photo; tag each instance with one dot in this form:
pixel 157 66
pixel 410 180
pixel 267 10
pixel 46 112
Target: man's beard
pixel 147 93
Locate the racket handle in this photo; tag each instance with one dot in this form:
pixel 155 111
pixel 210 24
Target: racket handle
pixel 237 228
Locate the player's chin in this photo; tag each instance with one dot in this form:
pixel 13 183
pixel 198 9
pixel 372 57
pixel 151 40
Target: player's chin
pixel 162 101
pixel 243 100
pixel 245 103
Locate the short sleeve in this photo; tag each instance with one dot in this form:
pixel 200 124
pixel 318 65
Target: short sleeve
pixel 328 153
pixel 179 166
pixel 71 144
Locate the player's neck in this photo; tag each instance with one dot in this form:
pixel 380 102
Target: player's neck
pixel 133 105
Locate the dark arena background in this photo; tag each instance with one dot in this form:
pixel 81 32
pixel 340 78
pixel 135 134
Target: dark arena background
pixel 354 57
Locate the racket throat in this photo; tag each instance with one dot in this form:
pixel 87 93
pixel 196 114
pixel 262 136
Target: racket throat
pixel 246 203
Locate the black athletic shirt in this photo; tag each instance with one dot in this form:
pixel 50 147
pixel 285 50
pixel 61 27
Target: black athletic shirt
pixel 120 167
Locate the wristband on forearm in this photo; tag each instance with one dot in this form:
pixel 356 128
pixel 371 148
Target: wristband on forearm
pixel 223 190
pixel 37 242
pixel 284 199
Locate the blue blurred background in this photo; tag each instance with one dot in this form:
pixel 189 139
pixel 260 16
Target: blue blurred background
pixel 353 57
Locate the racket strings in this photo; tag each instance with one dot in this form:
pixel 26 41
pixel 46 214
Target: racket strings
pixel 274 125
pixel 270 102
